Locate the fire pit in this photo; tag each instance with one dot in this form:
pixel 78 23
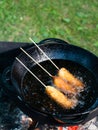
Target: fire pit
pixel 13 118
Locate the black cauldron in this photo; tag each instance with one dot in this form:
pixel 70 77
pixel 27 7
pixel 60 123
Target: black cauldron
pixel 30 94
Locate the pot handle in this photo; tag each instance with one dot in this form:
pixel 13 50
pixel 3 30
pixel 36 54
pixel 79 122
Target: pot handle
pixel 91 115
pixel 54 40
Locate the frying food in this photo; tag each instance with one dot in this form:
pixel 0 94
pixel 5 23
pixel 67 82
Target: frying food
pixel 60 98
pixel 65 74
pixel 63 85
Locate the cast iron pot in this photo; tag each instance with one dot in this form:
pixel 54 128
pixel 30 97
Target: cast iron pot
pixel 31 93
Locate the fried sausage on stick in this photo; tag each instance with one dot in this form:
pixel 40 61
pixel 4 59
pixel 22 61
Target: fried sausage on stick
pixel 63 85
pixel 60 98
pixel 65 74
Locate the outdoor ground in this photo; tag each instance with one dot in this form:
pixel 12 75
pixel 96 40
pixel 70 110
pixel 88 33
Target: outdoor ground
pixel 75 21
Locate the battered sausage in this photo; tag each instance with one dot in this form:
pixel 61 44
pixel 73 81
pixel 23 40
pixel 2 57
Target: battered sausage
pixel 63 85
pixel 65 74
pixel 60 98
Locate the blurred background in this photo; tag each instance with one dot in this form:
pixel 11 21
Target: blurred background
pixel 75 21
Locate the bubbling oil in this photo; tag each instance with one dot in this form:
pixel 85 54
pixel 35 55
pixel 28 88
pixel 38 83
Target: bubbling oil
pixel 34 93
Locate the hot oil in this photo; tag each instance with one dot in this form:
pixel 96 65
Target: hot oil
pixel 34 92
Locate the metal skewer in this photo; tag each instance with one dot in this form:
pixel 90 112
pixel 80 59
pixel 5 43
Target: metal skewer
pixel 44 54
pixel 36 62
pixel 30 72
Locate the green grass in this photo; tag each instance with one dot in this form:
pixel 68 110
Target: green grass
pixel 75 21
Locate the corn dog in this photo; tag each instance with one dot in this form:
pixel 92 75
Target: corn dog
pixel 60 98
pixel 63 85
pixel 65 74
